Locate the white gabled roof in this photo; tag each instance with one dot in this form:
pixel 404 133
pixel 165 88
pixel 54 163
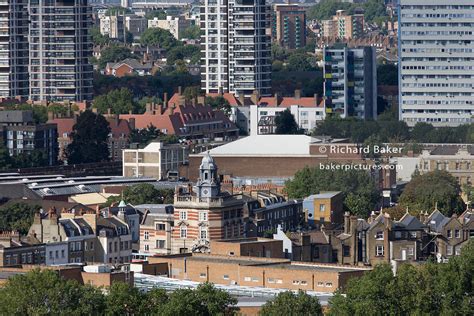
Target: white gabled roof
pixel 266 145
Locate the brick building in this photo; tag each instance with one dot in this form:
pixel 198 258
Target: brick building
pixel 155 228
pixel 258 272
pixel 248 247
pixel 325 208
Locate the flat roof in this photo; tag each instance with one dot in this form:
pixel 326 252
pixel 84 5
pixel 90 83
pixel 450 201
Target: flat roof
pixel 324 195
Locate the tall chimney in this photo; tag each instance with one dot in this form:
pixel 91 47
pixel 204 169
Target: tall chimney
pixel 347 222
pixel 297 94
pixel 165 99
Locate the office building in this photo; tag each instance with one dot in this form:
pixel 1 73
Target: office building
pixel 235 47
pixel 350 81
pixel 289 26
pixel 60 49
pixel 436 62
pixel 343 26
pixel 13 48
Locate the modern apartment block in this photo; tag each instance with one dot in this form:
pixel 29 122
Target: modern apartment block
pixel 289 25
pixel 13 48
pixel 436 68
pixel 350 81
pixel 343 26
pixel 236 54
pixel 60 49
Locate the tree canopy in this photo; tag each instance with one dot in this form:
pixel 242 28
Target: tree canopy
pixel 426 191
pixel 359 189
pixel 159 14
pixel 374 10
pixel 98 38
pixel 428 289
pixel 289 303
pixel 219 103
pixel 89 139
pixel 191 32
pixel 144 193
pixel 120 101
pixel 146 135
pixel 387 75
pixel 114 53
pixel 17 217
pixel 286 123
pixel 158 36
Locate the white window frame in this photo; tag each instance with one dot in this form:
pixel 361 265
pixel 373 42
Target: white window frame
pixel 379 251
pixel 183 232
pixel 203 216
pixel 183 215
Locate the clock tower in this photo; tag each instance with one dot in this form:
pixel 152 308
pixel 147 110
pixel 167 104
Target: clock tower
pixel 208 185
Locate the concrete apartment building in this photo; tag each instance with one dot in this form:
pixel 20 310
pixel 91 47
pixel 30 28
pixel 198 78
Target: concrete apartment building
pixel 23 136
pixel 235 47
pixel 176 25
pixel 60 50
pixel 436 68
pixel 350 81
pixel 343 26
pixel 14 49
pixel 258 272
pixel 289 25
pixel 157 160
pixel 112 26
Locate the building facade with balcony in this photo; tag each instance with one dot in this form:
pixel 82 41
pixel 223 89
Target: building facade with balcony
pixel 350 81
pixel 236 55
pixel 343 26
pixel 289 25
pixel 60 50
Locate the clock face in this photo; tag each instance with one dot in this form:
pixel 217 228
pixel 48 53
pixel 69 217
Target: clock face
pixel 205 191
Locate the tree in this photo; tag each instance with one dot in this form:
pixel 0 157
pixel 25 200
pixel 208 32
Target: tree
pixel 426 191
pixel 191 93
pixel 113 54
pixel 157 36
pixel 45 293
pixel 358 188
pixel 192 32
pixel 89 139
pixel 286 124
pixel 124 299
pixel 299 61
pixel 5 160
pixel 117 11
pixel 98 38
pixel 428 289
pixel 289 303
pixel 17 217
pixel 387 75
pixel 144 193
pixel 219 103
pixel 421 132
pixel 120 101
pixel 159 14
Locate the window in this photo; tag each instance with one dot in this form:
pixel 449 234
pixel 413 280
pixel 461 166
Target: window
pixel 202 233
pixel 304 283
pixel 225 277
pixel 50 255
pixel 379 250
pixel 271 280
pixel 202 216
pixel 413 234
pixel 202 275
pixel 379 235
pixel 62 253
pixel 346 250
pixel 450 233
pixel 449 250
pixel 146 235
pixel 183 232
pixel 160 226
pixel 160 244
pixel 322 207
pixel 457 233
pixel 147 247
pixel 247 279
pixel 328 284
pixel 320 284
pixel 296 282
pixel 410 251
pixel 398 235
pixel 183 215
pixel 458 251
pixel 91 245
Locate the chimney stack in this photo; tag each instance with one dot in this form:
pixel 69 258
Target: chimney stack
pixel 180 90
pixel 165 99
pixel 297 94
pixel 131 122
pixel 347 222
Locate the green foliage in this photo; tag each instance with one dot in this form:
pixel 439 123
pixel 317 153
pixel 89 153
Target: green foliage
pixel 359 189
pixel 157 36
pixel 374 10
pixel 5 161
pixel 160 14
pixel 89 139
pixel 144 193
pixel 123 299
pixel 429 289
pixel 45 293
pixel 145 135
pixel 289 303
pixel 141 106
pixel 439 187
pixel 286 124
pixel 117 11
pixel 98 38
pixel 191 93
pixel 219 103
pixel 299 61
pixel 191 52
pixel 192 32
pixel 35 158
pixel 285 82
pixel 17 217
pixel 119 101
pixel 387 75
pixel 113 54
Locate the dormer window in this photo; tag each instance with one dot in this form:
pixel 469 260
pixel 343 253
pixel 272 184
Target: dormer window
pixel 379 235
